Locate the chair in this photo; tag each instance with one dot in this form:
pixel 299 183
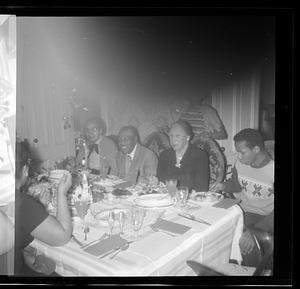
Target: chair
pixel 263 266
pixel 157 141
pixel 270 148
pixel 217 160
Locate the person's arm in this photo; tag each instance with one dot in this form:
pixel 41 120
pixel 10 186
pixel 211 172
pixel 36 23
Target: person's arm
pixel 57 231
pixel 231 185
pixel 6 233
pixel 214 125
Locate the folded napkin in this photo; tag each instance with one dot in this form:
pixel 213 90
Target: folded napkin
pixel 100 248
pixel 226 203
pixel 169 226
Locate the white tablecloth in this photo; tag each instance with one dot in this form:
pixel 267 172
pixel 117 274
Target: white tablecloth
pixel 156 253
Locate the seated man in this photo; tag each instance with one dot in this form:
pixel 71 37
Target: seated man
pixel 99 148
pixel 252 182
pixel 135 162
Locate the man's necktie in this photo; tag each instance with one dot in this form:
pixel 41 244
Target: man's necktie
pixel 127 163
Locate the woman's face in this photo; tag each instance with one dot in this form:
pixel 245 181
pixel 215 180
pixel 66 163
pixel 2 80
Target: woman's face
pixel 92 132
pixel 178 137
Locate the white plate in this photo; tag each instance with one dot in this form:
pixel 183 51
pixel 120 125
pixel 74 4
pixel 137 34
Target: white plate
pixel 154 201
pixel 208 198
pixel 57 174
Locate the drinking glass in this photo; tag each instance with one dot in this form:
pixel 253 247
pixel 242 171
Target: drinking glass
pixel 121 219
pixel 82 208
pixel 137 218
pixel 171 185
pixel 181 195
pixel 111 221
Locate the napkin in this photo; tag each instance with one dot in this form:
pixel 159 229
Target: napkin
pixel 226 203
pixel 170 226
pixel 106 245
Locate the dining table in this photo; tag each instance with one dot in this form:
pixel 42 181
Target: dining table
pixel 168 237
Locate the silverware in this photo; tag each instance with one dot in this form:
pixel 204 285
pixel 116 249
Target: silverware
pixel 193 218
pixel 97 240
pixel 77 241
pixel 163 231
pixel 110 252
pixel 123 248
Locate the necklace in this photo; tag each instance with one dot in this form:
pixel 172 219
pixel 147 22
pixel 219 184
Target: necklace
pixel 178 161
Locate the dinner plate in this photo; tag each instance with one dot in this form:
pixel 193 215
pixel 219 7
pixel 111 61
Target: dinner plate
pixel 206 198
pixel 154 201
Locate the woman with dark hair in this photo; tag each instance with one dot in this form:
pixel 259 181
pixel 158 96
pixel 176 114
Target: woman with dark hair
pixel 99 150
pixel 32 219
pixel 183 161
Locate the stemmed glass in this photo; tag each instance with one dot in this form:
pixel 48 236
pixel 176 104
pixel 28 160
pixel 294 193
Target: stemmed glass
pixel 111 221
pixel 82 208
pixel 137 218
pixel 121 219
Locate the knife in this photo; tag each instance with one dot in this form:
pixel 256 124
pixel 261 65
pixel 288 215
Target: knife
pixel 110 252
pixel 193 218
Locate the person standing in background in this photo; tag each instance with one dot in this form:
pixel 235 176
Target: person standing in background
pixel 204 120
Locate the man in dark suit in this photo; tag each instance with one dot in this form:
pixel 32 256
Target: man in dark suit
pixel 135 163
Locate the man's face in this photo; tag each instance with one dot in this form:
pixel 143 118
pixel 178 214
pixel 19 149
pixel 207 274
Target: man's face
pixel 127 141
pixel 246 155
pixel 178 137
pixel 92 132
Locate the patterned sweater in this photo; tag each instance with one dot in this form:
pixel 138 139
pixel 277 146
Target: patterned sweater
pixel 253 186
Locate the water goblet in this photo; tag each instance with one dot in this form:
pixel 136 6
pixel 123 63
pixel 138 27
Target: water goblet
pixel 121 219
pixel 111 221
pixel 137 218
pixel 82 208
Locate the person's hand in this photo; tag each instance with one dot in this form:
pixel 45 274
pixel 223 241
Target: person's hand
pixel 44 174
pixel 65 183
pixel 218 187
pixel 246 243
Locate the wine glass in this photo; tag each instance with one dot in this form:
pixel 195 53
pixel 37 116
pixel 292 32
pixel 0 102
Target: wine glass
pixel 137 218
pixel 82 207
pixel 121 219
pixel 111 221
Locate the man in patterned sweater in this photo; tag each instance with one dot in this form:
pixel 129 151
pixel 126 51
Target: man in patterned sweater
pixel 252 182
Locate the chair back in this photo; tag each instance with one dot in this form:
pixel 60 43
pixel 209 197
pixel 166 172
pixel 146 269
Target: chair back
pixel 270 148
pixel 217 160
pixel 202 270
